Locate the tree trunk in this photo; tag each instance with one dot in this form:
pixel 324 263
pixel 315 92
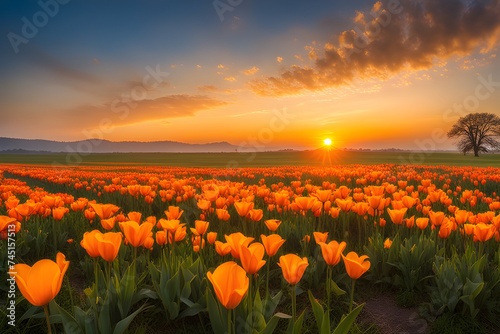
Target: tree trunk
pixel 476 152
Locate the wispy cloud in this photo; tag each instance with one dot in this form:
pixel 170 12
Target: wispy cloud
pixel 251 71
pixel 384 43
pixel 251 113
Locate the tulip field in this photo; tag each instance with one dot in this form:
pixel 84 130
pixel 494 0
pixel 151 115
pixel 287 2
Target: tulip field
pixel 289 249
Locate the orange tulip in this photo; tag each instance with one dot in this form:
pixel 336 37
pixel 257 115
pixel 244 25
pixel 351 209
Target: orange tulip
pixel 161 238
pixel 58 213
pixel 272 224
pixel 437 218
pixel 204 204
pixel 243 208
pixel 201 227
pixel 134 216
pixel 387 243
pixel 5 221
pixel 331 251
pixel 409 201
pixel 422 223
pixel 89 215
pixel 293 267
pixel 469 229
pixel 40 283
pixel 397 215
pixel 320 236
pixel 484 232
pixel 272 243
pixel 445 228
pixel 109 244
pixel 222 248
pixel 148 243
pixel 230 284
pixel 235 240
pixel 173 212
pixel 251 257
pixel 305 203
pixel 344 204
pixel 356 265
pixel 178 235
pixel 222 214
pixel 256 214
pixel 323 195
pixel 211 237
pixel 109 223
pixel 104 211
pixel 170 225
pixel 89 243
pixel 462 216
pixel 136 234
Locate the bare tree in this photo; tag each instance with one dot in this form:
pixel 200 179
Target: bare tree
pixel 477 133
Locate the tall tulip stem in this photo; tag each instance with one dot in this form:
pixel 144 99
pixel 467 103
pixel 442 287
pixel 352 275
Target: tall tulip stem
pixel 352 295
pixel 294 304
pixel 47 319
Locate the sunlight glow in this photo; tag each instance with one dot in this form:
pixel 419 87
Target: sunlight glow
pixel 327 142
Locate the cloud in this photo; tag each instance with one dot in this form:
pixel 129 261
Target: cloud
pixel 251 71
pixel 207 88
pixel 279 59
pixel 230 79
pixel 392 37
pixel 125 112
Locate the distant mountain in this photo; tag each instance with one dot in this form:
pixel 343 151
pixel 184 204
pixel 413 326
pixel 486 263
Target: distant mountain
pixel 15 145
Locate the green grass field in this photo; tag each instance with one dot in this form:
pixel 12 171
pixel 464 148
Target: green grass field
pixel 259 159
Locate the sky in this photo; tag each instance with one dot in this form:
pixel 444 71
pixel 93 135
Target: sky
pixel 258 74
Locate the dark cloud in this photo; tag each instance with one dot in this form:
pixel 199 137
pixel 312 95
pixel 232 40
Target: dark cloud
pixel 393 36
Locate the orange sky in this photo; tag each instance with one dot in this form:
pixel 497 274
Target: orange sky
pixel 365 74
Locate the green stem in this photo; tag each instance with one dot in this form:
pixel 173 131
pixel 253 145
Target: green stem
pixel 229 327
pixel 250 301
pixel 294 304
pixel 96 277
pixel 352 295
pixel 267 277
pixel 46 311
pixel 328 286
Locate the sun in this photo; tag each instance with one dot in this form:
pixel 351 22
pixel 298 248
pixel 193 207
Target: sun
pixel 327 142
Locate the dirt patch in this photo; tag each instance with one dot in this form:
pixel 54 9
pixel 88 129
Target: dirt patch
pixel 391 318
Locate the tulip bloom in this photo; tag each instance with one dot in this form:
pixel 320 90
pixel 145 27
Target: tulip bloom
pixel 136 234
pixel 332 251
pixel 387 243
pixel 104 211
pixel 422 223
pixel 211 237
pixel 222 214
pixel 230 284
pixel 484 232
pixel 251 257
pixel 243 208
pixel 356 265
pixel 201 226
pixel 293 267
pixel 178 235
pixel 272 243
pixel 272 224
pixel 161 238
pixel 256 214
pixel 109 245
pixel 305 203
pixel 445 229
pixel 320 236
pixel 89 243
pixel 40 283
pixel 437 218
pixel 222 248
pixel 134 216
pixel 235 240
pixel 173 212
pixel 109 223
pixel 58 213
pixel 397 215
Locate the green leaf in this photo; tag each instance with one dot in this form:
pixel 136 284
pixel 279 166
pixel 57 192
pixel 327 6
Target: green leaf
pixel 336 289
pixel 218 315
pixel 123 324
pixel 69 323
pixel 32 313
pixel 317 309
pixel 346 323
pixel 271 325
pixel 297 326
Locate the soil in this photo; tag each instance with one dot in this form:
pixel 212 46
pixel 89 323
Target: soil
pixel 392 319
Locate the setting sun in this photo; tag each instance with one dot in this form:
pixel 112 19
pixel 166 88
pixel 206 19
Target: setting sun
pixel 327 142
